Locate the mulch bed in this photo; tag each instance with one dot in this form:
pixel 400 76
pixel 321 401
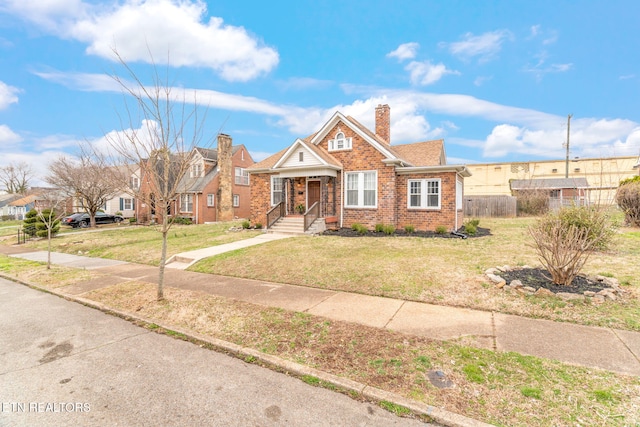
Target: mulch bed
pixel 539 278
pixel 348 232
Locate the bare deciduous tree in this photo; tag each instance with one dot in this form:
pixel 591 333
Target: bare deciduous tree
pixel 171 129
pixel 86 179
pixel 52 205
pixel 15 177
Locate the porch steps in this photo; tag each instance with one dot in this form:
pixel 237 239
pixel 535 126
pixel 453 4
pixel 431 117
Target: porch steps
pixel 295 225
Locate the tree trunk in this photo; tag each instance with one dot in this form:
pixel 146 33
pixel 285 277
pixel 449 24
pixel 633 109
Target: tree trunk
pixel 163 260
pixel 49 248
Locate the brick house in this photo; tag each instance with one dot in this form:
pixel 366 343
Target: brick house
pixel 345 174
pixel 215 187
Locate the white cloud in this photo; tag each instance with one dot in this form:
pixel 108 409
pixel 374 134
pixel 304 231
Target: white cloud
pixel 8 95
pixel 173 31
pixel 485 46
pixel 304 83
pixel 480 80
pixel 425 73
pixel 405 51
pixel 8 137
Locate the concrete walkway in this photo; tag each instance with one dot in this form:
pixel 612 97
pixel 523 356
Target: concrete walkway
pixel 605 348
pixel 184 260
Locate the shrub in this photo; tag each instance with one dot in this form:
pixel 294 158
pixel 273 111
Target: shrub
pixel 564 240
pixel 388 229
pixel 181 220
pixel 470 229
pixel 379 228
pixel 246 224
pixel 359 228
pixel 47 219
pixel 532 202
pixel 29 223
pixel 258 225
pixel 441 229
pixel 409 229
pixel 628 199
pixel 475 222
pixel 133 220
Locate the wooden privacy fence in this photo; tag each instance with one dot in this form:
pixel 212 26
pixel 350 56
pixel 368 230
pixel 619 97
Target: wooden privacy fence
pixel 489 206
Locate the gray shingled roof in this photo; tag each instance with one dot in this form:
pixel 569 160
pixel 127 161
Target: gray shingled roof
pixel 549 183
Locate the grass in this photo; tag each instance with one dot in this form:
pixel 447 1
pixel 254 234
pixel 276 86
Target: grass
pixel 440 271
pixel 504 389
pixel 141 244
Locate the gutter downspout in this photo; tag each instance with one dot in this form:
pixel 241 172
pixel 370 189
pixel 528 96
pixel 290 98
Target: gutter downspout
pixel 341 197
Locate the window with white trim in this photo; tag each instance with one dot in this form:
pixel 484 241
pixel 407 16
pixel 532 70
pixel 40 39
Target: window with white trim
pixel 135 182
pixel 196 170
pixel 276 190
pixel 339 142
pixel 361 189
pixel 236 200
pixel 126 203
pixel 186 203
pixel 423 193
pixel 211 200
pixel 242 176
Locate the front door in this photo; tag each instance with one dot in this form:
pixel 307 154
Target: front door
pixel 313 193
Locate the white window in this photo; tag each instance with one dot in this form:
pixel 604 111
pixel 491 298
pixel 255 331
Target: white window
pixel 423 193
pixel 276 190
pixel 126 204
pixel 211 200
pixel 135 183
pixel 186 203
pixel 340 142
pixel 459 192
pixel 196 170
pixel 236 200
pixel 242 176
pixel 362 189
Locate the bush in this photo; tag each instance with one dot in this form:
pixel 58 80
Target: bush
pixel 246 224
pixel 596 222
pixel 47 219
pixel 258 226
pixel 181 220
pixel 359 228
pixel 133 220
pixel 532 202
pixel 29 223
pixel 388 229
pixel 475 222
pixel 441 229
pixel 470 229
pixel 564 240
pixel 409 229
pixel 379 228
pixel 628 199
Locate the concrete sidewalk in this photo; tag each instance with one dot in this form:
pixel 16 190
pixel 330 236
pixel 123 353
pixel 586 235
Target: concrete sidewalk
pixel 610 349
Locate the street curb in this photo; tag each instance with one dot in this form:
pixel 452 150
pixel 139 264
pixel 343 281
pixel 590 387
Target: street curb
pixel 249 355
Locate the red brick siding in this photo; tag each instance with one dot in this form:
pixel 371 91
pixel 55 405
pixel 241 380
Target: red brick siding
pixel 429 219
pixel 260 198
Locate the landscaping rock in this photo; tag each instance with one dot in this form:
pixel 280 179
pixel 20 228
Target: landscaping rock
pixel 515 284
pixel 496 279
pixel 529 289
pixel 544 292
pixel 567 296
pixel 589 294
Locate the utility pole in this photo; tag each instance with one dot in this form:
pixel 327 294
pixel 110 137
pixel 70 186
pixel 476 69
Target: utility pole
pixel 566 169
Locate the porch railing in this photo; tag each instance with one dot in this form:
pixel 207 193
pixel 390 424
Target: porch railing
pixel 274 214
pixel 311 215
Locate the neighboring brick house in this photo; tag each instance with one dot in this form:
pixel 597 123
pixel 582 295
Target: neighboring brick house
pixel 215 188
pixel 356 176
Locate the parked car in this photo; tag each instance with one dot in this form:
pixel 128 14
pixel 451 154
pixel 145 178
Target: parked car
pixel 82 220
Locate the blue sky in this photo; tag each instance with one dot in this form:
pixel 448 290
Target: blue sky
pixel 495 79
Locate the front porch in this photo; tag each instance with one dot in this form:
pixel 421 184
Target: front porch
pixel 302 203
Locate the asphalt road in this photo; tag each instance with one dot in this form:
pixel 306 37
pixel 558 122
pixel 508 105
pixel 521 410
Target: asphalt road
pixel 63 364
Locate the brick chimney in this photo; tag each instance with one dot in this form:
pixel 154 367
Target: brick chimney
pixel 383 122
pixel 225 174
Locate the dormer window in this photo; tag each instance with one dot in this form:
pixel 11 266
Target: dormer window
pixel 340 142
pixel 196 170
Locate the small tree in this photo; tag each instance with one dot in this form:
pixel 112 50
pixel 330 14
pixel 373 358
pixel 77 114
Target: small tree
pixel 48 223
pixel 565 240
pixel 628 199
pixel 29 223
pixel 15 178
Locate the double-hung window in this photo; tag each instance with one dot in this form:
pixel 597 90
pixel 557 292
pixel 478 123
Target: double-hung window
pixel 361 189
pixel 211 200
pixel 276 190
pixel 187 203
pixel 424 193
pixel 242 176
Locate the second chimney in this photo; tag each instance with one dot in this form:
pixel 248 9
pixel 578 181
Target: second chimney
pixel 383 122
pixel 225 173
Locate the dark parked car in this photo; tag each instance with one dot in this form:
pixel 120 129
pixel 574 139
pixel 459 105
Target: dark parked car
pixel 82 219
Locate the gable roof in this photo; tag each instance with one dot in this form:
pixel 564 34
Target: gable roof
pixel 212 153
pixel 548 183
